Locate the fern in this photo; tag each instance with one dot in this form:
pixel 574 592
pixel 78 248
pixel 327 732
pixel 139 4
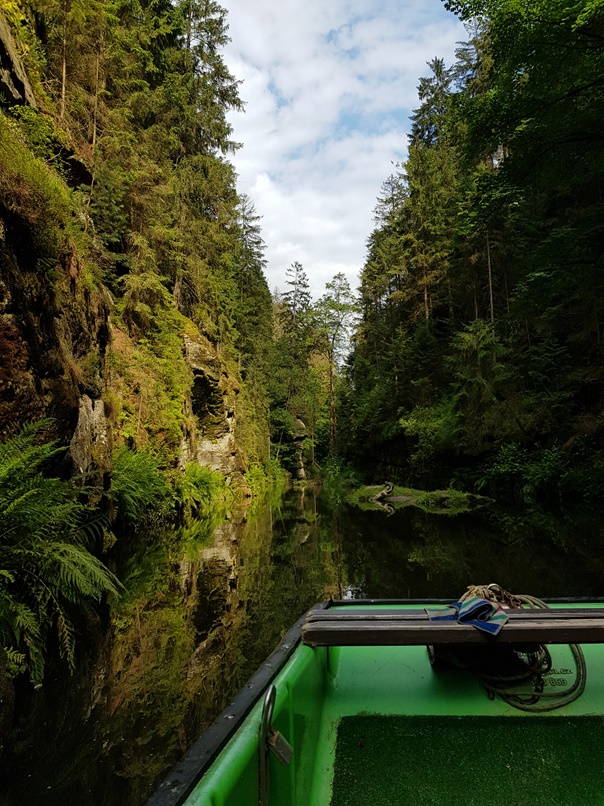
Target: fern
pixel 47 573
pixel 16 662
pixel 139 490
pixel 196 489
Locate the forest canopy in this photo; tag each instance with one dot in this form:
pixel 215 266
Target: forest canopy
pixel 478 359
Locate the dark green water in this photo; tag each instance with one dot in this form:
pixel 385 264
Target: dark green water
pixel 203 609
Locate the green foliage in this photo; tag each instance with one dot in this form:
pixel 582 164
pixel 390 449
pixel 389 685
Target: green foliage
pixel 433 430
pixel 337 480
pixel 139 490
pixel 144 492
pixel 197 489
pixel 42 136
pixel 156 370
pixel 135 98
pixel 47 572
pixel 488 252
pixel 34 192
pixel 446 502
pixel 334 316
pixel 517 473
pixel 583 473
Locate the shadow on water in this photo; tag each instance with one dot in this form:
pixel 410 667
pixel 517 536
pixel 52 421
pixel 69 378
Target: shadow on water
pixel 202 610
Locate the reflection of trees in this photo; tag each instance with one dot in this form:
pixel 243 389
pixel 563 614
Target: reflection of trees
pixel 414 554
pixel 562 547
pixel 285 578
pixel 202 609
pixel 443 560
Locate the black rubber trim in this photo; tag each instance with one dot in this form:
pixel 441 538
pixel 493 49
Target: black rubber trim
pixel 183 778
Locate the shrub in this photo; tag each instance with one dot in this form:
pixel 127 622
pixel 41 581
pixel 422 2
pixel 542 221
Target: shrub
pixel 196 489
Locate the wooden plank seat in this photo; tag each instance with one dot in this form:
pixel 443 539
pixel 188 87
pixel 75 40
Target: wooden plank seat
pixel 352 627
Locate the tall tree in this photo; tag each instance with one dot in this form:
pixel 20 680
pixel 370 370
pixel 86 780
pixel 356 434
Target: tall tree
pixel 297 298
pixel 335 313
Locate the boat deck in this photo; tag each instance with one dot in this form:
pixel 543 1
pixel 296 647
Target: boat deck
pixel 395 731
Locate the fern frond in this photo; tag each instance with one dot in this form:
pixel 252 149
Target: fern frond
pixel 78 574
pixel 15 660
pixel 66 639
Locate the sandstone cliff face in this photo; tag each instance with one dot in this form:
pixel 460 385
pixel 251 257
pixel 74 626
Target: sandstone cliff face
pixel 14 84
pixel 54 340
pixel 213 402
pixel 53 335
pixel 53 319
pixel 90 446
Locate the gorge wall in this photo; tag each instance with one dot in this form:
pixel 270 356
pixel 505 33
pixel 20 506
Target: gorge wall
pixel 110 352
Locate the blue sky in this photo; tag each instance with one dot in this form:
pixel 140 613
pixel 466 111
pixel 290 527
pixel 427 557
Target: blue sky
pixel 329 86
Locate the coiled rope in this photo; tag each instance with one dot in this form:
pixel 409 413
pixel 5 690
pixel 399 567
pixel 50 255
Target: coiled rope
pixel 529 663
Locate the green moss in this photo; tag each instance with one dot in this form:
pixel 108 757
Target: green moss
pixel 35 193
pixel 437 502
pixel 155 376
pixel 42 136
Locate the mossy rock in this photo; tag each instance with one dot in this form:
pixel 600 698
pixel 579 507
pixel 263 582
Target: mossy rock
pixel 437 502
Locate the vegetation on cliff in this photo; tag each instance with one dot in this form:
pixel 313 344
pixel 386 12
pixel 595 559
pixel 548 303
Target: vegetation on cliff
pixel 119 181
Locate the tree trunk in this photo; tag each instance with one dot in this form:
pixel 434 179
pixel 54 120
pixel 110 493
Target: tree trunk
pixel 332 407
pixel 426 301
pixel 7 701
pixel 491 305
pixel 64 65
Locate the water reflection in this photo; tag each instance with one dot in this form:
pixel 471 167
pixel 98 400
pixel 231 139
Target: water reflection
pixel 201 611
pixel 203 608
pixel 413 554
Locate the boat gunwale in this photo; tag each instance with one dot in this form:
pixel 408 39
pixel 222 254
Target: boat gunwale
pixel 579 600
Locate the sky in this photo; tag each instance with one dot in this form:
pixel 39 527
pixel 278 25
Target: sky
pixel 328 87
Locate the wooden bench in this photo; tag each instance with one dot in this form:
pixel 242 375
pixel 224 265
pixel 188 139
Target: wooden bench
pixel 379 627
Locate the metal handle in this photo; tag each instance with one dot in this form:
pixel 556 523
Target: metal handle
pixel 265 726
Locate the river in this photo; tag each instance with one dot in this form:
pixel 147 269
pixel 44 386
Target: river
pixel 203 607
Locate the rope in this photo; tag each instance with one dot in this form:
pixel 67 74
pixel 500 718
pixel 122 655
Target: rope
pixel 528 665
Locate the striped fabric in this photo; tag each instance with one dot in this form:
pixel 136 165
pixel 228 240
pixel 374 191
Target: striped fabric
pixel 480 613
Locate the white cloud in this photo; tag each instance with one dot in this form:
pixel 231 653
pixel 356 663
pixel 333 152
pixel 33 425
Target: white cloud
pixel 328 86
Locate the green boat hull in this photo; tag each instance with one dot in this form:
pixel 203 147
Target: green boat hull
pixel 378 725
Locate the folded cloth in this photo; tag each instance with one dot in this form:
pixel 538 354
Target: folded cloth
pixel 480 613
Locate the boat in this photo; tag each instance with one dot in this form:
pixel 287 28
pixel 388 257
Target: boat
pixel 370 702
